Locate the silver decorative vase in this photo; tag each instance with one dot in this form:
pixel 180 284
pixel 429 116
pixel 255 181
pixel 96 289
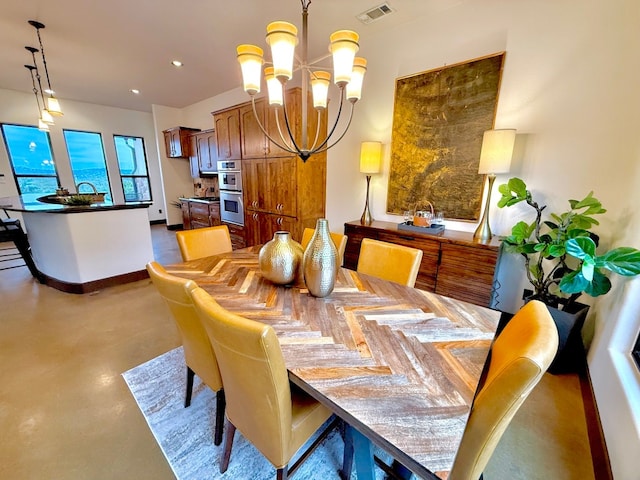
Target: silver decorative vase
pixel 320 263
pixel 280 258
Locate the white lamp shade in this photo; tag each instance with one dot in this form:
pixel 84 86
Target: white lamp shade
pixel 370 157
pixel 344 45
pixel 53 106
pixel 274 87
pixel 354 88
pixel 42 126
pixel 282 38
pixel 250 58
pixel 46 117
pixel 497 149
pixel 320 88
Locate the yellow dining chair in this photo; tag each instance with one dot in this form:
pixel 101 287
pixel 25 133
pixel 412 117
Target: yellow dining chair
pixel 274 415
pixel 339 240
pixel 203 242
pixel 519 357
pixel 389 261
pixel 198 352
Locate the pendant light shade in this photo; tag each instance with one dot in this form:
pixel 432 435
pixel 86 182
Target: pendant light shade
pixel 53 105
pixel 344 45
pixel 354 88
pixel 320 88
pixel 250 58
pixel 282 37
pixel 274 87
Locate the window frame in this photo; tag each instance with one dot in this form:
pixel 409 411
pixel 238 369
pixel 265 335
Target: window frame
pixel 123 176
pixel 16 176
pixel 104 157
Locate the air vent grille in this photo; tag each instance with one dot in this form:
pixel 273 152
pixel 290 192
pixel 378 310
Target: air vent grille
pixel 375 13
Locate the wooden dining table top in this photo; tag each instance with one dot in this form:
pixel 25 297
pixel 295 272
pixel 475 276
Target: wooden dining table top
pixel 401 365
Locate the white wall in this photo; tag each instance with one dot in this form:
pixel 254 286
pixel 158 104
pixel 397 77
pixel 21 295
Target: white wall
pixel 570 89
pixel 20 108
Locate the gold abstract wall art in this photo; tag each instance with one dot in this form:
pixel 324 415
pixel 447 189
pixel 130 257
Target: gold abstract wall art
pixel 439 118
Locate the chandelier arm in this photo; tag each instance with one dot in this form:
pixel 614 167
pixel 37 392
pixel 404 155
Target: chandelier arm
pixel 286 121
pixel 326 140
pixel 315 140
pixel 255 114
pixel 324 149
pixel 284 140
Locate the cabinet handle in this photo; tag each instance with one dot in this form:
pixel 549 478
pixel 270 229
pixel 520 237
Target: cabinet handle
pixel 406 238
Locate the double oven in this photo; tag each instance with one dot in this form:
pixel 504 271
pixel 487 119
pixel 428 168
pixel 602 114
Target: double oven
pixel 230 181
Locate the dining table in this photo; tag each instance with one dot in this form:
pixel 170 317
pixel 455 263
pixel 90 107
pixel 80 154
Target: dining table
pixel 399 365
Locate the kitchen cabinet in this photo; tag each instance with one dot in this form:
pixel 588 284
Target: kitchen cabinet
pixel 207 151
pixel 260 226
pixel 237 234
pixel 226 124
pixel 177 141
pixel 199 213
pixel 454 264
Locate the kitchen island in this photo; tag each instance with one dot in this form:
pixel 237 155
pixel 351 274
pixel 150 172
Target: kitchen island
pixel 80 249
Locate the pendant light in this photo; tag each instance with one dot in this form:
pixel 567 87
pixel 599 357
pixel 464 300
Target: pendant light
pixel 52 105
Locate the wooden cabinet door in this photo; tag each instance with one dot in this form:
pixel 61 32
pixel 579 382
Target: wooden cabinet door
pixel 283 223
pixel 186 216
pixel 281 173
pixel 227 134
pixel 214 214
pixel 466 273
pixel 207 152
pixel 252 141
pixel 255 185
pixel 194 161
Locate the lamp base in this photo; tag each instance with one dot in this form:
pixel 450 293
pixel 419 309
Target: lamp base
pixel 366 218
pixel 483 232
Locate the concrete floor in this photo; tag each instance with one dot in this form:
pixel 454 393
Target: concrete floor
pixel 66 412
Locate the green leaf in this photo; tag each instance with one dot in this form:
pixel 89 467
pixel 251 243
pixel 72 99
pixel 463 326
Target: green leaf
pixel 599 285
pixel 518 186
pixel 623 261
pixel 574 282
pixel 557 250
pixel 581 247
pixel 588 267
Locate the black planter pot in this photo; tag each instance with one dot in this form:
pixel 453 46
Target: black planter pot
pixel 569 320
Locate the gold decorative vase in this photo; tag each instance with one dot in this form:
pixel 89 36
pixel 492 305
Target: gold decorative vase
pixel 320 263
pixel 280 258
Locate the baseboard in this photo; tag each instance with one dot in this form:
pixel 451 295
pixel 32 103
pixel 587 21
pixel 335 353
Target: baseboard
pixel 80 288
pixel 599 452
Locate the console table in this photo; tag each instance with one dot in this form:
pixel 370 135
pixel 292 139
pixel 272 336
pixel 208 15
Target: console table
pixel 454 264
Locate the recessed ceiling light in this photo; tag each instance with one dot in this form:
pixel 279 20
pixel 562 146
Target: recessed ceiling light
pixel 135 90
pixel 176 63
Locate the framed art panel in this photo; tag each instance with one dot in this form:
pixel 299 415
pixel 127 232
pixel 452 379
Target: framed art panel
pixel 439 118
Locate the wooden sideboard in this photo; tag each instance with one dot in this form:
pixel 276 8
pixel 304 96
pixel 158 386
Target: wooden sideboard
pixel 453 263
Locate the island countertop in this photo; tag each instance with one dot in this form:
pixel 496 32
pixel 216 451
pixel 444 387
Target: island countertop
pixel 88 247
pixel 30 203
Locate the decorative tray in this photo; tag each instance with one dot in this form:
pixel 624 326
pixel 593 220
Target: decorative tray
pixel 409 226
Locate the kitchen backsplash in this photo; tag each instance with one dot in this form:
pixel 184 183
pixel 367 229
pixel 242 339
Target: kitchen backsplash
pixel 206 187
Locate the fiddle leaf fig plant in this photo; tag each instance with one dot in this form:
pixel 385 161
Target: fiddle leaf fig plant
pixel 560 252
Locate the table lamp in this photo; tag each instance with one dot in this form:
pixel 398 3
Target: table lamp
pixel 495 157
pixel 370 156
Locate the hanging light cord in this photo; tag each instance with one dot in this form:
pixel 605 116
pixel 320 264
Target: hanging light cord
pixel 35 89
pixel 38 26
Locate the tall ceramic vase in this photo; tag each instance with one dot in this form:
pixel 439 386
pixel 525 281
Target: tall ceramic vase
pixel 320 263
pixel 280 258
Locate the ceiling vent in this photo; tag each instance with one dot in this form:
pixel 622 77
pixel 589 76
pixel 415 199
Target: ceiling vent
pixel 375 14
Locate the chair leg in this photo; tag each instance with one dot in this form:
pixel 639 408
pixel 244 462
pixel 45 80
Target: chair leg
pixel 281 473
pixel 187 397
pixel 220 406
pixel 229 432
pixel 22 244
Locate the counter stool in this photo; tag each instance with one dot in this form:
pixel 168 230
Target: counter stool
pixel 11 231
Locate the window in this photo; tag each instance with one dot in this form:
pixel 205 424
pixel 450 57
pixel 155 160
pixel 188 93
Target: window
pixel 88 163
pixel 34 169
pixel 132 162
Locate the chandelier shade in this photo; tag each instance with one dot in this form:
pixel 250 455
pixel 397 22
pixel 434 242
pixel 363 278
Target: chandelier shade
pixel 348 75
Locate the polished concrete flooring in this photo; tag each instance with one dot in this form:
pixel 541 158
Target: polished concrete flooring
pixel 66 412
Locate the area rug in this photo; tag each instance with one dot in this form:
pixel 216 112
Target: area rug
pixel 185 435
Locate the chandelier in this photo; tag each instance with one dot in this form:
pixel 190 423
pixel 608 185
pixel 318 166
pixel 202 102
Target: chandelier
pixel 50 106
pixel 348 74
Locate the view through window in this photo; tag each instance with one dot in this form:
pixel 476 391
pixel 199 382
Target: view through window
pixel 87 159
pixel 34 168
pixel 132 161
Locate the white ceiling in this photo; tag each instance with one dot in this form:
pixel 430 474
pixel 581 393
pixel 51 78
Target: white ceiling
pixel 97 51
